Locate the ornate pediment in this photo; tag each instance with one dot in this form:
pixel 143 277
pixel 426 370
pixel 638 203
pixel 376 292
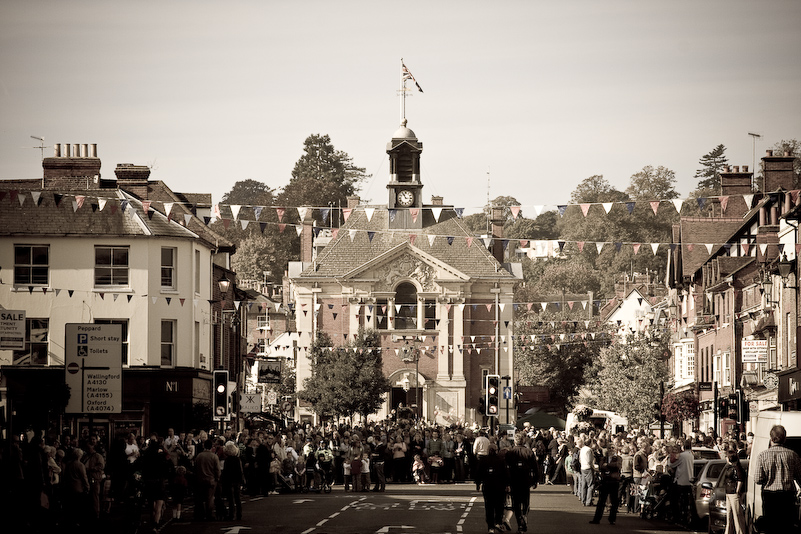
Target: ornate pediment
pixel 406 266
pixel 405 263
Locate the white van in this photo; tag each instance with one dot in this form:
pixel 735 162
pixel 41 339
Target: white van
pixel 764 421
pixel 612 422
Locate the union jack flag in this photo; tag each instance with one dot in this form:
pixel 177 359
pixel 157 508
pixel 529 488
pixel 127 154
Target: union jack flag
pixel 408 76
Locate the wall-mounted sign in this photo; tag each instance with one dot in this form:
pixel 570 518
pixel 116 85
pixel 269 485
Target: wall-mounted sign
pixel 12 329
pixel 755 350
pixel 93 369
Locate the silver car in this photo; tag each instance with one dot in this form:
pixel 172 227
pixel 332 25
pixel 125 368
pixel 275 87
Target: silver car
pixel 701 494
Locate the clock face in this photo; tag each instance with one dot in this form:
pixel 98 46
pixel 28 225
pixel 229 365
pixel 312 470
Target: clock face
pixel 405 198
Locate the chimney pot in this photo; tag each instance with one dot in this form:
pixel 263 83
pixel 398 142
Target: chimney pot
pixel 769 153
pixel 76 150
pixel 736 168
pixel 727 168
pixel 93 150
pixel 788 153
pixel 57 150
pixel 84 150
pixel 65 150
pixel 745 168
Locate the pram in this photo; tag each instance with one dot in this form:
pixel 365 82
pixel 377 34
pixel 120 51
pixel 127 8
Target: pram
pixel 653 494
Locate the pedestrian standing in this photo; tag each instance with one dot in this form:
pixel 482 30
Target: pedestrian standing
pixel 776 469
pixel 587 476
pixel 524 474
pixel 232 479
pixel 492 476
pixel 735 489
pixel 610 487
pixel 207 476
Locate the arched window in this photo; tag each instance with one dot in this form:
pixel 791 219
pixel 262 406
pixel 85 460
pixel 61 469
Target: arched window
pixel 405 306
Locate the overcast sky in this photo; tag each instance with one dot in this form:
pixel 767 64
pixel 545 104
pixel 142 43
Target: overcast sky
pixel 539 94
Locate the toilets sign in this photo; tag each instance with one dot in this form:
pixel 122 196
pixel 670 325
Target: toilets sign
pixel 93 372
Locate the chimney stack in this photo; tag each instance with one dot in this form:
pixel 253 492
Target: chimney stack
pixel 71 168
pixel 133 178
pixel 778 171
pixel 735 183
pixel 497 220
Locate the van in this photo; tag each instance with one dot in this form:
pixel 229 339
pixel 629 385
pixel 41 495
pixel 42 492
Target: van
pixel 764 421
pixel 602 420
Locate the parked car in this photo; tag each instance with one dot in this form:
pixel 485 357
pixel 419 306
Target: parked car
pixel 702 491
pixel 717 500
pixel 705 453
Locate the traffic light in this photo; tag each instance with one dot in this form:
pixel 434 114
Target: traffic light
pixel 734 407
pixel 220 395
pixel 723 407
pixel 492 391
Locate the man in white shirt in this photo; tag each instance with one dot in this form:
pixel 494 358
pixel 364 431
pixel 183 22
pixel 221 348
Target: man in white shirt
pixel 481 448
pixel 587 460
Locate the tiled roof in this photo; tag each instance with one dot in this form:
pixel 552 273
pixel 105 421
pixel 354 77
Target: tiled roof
pixel 342 255
pixel 56 214
pixel 695 231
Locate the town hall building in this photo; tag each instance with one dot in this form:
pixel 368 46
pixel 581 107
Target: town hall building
pixel 440 297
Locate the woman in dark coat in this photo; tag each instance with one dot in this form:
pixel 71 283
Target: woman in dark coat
pixel 492 476
pixel 232 479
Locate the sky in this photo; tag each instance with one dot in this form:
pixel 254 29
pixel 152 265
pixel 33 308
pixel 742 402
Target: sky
pixel 522 98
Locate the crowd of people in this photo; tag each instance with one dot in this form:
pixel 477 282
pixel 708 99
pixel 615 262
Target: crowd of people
pixel 73 481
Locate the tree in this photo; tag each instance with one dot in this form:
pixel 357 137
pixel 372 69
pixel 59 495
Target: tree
pixel 323 175
pixel 556 357
pixel 712 164
pixel 346 380
pixel 252 257
pixel 567 277
pixel 249 192
pixel 596 189
pixel 653 184
pixel 627 375
pixel 543 227
pixel 680 407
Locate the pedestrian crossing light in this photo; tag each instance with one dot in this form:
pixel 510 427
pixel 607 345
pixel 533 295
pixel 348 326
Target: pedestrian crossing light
pixel 220 394
pixel 492 399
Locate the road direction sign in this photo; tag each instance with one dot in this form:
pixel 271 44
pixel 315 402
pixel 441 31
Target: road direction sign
pixel 93 370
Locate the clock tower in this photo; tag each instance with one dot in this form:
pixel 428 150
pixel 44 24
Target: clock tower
pixel 404 187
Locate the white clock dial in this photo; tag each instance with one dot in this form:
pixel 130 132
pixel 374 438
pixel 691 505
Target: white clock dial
pixel 405 198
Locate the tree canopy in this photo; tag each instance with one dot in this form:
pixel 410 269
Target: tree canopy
pixel 712 164
pixel 346 380
pixel 550 360
pixel 596 189
pixel 653 184
pixel 322 175
pixel 625 378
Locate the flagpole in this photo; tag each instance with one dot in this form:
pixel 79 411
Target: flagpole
pixel 402 95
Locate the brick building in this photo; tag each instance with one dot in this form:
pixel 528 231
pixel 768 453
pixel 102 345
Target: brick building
pixel 414 273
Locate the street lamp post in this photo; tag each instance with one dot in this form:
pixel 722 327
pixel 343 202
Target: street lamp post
pixel 409 354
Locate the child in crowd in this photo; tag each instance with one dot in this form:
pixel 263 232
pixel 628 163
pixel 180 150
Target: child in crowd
pixel 179 488
pixel 419 470
pixel 365 472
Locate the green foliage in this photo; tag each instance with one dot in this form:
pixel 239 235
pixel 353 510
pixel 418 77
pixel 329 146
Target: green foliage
pixel 618 231
pixel 712 164
pixel 346 380
pixel 679 407
pixel 626 376
pixel 249 192
pixel 567 276
pixel 550 360
pixel 543 227
pixel 321 176
pixel 653 184
pixel 596 189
